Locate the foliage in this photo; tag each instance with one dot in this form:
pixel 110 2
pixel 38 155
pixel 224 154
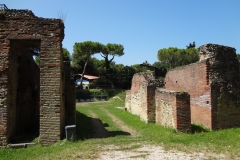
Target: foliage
pixel 120 76
pixel 66 55
pixel 111 50
pixel 82 52
pixel 161 66
pixel 111 75
pixel 109 92
pixel 95 67
pixel 191 45
pixel 146 63
pixel 173 57
pixel 238 57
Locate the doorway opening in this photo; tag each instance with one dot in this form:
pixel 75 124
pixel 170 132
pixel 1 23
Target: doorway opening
pixel 24 91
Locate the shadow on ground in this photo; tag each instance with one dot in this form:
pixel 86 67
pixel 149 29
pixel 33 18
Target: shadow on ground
pixel 88 127
pixel 198 128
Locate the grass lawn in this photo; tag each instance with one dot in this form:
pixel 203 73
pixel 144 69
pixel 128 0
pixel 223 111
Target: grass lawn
pixel 114 120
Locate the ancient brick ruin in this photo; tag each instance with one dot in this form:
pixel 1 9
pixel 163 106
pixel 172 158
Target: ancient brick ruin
pixel 33 97
pixel 155 105
pixel 213 84
pixel 206 92
pixel 173 109
pixel 140 99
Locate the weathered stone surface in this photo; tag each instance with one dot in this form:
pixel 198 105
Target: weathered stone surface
pixel 141 99
pixel 213 84
pixel 173 109
pixel 193 79
pixel 152 104
pixel 21 105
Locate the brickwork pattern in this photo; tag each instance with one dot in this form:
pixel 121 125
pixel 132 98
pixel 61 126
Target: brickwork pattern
pixel 140 100
pixel 23 25
pixel 155 105
pixel 173 109
pixel 213 84
pixel 194 80
pixel 224 77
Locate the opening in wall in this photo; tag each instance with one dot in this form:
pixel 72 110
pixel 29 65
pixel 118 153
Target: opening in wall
pixel 24 91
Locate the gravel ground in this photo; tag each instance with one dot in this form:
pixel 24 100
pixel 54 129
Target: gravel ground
pixel 152 152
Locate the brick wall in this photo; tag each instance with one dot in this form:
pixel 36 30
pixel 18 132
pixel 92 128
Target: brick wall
pixel 173 109
pixel 194 80
pixel 213 84
pixel 23 25
pixel 224 77
pixel 140 99
pixel 155 105
pixel 3 124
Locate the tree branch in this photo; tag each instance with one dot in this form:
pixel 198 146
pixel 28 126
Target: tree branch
pixel 111 59
pixel 102 55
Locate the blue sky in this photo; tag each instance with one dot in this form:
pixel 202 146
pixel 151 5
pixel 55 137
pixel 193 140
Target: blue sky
pixel 142 26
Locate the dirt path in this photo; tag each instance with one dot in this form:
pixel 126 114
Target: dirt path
pixel 120 124
pixel 143 151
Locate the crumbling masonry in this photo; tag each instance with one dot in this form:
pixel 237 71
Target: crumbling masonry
pixel 31 96
pixel 206 92
pixel 213 84
pixel 157 105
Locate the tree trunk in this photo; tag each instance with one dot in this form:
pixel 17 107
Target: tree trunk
pixel 107 65
pixel 84 68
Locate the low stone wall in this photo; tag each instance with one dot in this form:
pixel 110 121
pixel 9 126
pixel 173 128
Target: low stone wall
pixel 140 99
pixel 173 109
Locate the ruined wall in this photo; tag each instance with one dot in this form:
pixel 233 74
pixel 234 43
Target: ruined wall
pixel 173 109
pixel 141 96
pixel 24 25
pixel 224 77
pixel 193 79
pixel 213 84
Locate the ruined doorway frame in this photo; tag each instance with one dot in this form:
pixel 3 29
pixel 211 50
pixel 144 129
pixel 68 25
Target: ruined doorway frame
pixel 23 119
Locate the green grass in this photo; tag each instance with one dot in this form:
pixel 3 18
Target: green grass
pixel 201 140
pixel 216 141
